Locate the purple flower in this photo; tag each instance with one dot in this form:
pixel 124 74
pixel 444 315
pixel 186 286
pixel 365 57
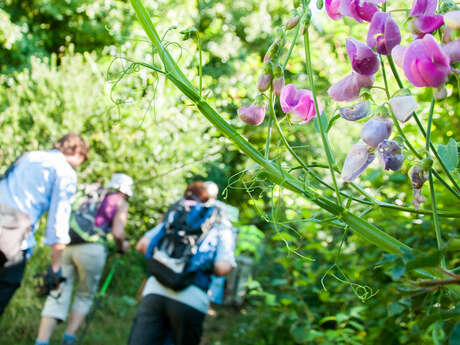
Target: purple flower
pixel 359 157
pixel 376 130
pixel 253 114
pixel 332 9
pixel 390 155
pixel 425 20
pixel 356 111
pixel 357 9
pixel 418 175
pixel 403 107
pixel 383 33
pixel 452 20
pixel 452 50
pixel 349 87
pixel 363 59
pixel 425 63
pixel 299 103
pixel 398 53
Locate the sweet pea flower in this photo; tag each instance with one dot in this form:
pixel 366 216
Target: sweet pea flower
pixel 424 17
pixel 376 130
pixel 418 175
pixel 383 33
pixel 361 11
pixel 452 20
pixel 359 157
pixel 299 103
pixel 332 9
pixel 452 50
pixel 425 63
pixel 357 9
pixel 398 53
pixel 253 114
pixel 363 59
pixel 403 107
pixel 356 111
pixel 390 155
pixel 349 87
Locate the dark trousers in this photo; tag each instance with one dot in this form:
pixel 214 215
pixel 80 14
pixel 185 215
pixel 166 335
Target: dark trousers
pixel 159 317
pixel 10 280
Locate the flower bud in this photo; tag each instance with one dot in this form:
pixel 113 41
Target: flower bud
pixel 296 3
pixel 273 51
pixel 278 80
pixel 356 111
pixel 359 157
pixel 447 5
pixel 403 107
pixel 293 20
pixel 253 114
pixel 390 155
pixel 440 93
pixel 376 130
pixel 452 20
pixel 319 4
pixel 418 175
pixel 265 78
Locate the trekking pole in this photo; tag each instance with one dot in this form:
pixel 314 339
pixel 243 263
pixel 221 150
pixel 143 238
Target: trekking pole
pixel 98 300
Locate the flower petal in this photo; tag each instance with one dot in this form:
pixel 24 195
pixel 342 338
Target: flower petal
pixel 363 59
pixel 356 162
pixel 403 107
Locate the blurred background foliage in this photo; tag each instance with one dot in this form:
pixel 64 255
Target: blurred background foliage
pixel 67 66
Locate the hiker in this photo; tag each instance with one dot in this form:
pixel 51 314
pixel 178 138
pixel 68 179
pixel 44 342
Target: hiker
pixel 86 254
pixel 175 299
pixel 38 181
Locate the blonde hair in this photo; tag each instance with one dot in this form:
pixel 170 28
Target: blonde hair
pixel 72 143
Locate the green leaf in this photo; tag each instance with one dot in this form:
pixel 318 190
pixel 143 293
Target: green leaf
pixel 454 338
pixel 449 154
pixel 425 260
pixel 395 309
pixel 397 271
pixel 331 123
pixel 324 122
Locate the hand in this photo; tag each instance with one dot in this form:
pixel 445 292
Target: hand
pixel 125 246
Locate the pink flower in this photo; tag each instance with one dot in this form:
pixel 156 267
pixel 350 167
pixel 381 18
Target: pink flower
pixel 349 87
pixel 398 53
pixel 363 59
pixel 252 114
pixel 357 9
pixel 452 50
pixel 332 9
pixel 425 63
pixel 425 20
pixel 383 33
pixel 298 102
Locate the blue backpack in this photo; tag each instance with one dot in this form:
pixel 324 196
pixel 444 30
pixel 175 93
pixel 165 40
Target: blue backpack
pixel 169 252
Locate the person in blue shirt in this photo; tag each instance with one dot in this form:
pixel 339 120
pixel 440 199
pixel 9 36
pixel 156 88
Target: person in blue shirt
pixel 37 182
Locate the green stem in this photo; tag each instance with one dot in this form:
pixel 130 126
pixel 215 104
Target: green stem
pixel 437 228
pixel 324 139
pixel 291 48
pixel 200 69
pixel 269 129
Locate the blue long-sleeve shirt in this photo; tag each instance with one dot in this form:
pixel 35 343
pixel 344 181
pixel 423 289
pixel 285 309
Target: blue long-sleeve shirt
pixel 42 181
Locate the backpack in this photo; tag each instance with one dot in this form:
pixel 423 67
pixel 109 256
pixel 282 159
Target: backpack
pixel 82 228
pixel 183 229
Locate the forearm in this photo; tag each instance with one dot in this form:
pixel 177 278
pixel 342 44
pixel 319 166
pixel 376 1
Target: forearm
pixel 56 256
